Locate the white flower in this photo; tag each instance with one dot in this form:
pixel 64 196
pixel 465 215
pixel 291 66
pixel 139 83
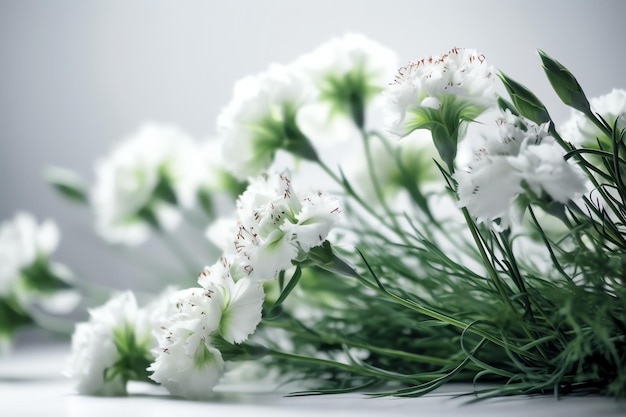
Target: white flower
pixel 460 78
pixel 186 363
pixel 31 285
pixel 100 345
pixel 524 158
pixel 261 119
pixel 214 176
pixel 348 72
pixel 145 183
pixel 22 242
pixel 488 188
pixel 275 225
pixel 579 130
pixel 189 366
pixel 241 301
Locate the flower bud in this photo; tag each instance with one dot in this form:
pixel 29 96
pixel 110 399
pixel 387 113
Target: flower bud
pixel 565 84
pixel 525 101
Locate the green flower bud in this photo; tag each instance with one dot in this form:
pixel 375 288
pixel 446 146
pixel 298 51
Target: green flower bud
pixel 565 84
pixel 525 101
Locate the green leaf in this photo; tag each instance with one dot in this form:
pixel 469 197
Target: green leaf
pixel 68 183
pixel 504 105
pixel 525 101
pixel 164 190
pixel 565 84
pixel 204 198
pixel 287 290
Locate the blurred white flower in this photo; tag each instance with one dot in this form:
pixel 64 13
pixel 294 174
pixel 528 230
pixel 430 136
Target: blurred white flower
pixel 462 79
pixel 261 119
pixel 523 159
pixel 221 232
pixel 116 336
pixel 348 72
pixel 396 163
pixel 275 224
pixel 93 352
pixel 31 286
pixel 218 188
pixel 145 183
pixel 22 242
pixel 579 130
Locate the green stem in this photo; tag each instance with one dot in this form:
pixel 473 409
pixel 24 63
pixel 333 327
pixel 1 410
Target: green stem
pixel 359 370
pixel 378 190
pixel 385 351
pixel 340 266
pixel 356 197
pixel 500 286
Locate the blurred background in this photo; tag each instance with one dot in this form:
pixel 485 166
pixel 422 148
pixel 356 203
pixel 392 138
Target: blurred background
pixel 76 77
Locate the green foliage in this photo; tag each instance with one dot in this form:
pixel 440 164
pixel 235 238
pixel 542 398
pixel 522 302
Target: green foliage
pixel 526 102
pixel 423 302
pixel 565 84
pixel 68 183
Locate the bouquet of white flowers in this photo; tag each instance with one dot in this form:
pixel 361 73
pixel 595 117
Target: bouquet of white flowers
pixel 449 234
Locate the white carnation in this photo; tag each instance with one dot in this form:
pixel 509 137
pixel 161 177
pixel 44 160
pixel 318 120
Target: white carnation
pixel 462 77
pixel 96 360
pixel 22 241
pixel 275 224
pixel 144 183
pixel 349 72
pixel 261 118
pixel 241 301
pixel 579 130
pixel 524 158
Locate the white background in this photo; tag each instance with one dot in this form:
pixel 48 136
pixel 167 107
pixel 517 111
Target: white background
pixel 78 76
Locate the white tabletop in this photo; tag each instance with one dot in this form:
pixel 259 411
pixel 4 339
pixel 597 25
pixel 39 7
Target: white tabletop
pixel 31 384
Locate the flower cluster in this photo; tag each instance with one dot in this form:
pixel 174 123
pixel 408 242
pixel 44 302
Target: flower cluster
pixel 286 106
pixel 199 327
pixel 433 271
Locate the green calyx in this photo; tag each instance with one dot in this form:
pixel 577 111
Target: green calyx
pixel 279 130
pixel 445 124
pixel 348 93
pixel 163 192
pixel 134 355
